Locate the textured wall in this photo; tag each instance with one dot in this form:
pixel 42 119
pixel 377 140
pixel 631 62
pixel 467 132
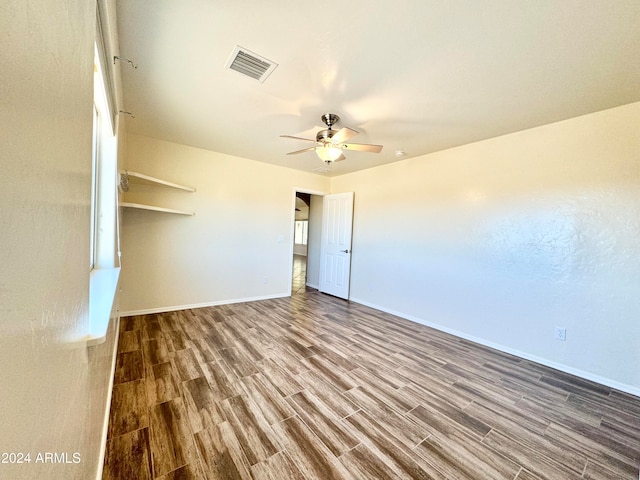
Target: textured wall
pixel 51 385
pixel 503 240
pixel 237 246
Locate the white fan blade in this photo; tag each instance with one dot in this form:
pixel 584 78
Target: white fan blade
pixel 302 151
pixel 343 135
pixel 297 138
pixel 362 147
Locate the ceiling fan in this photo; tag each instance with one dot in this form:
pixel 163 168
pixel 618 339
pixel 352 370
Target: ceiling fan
pixel 330 143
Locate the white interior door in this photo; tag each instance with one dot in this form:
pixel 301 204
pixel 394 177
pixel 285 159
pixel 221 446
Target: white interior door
pixel 335 248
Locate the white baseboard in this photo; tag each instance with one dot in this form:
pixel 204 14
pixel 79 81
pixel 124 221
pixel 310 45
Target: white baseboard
pixel 105 425
pixel 543 361
pixel 202 305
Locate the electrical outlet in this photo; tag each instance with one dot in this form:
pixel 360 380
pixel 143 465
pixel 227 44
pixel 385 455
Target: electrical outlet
pixel 561 334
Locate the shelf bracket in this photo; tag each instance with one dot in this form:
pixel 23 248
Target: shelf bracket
pixel 124 181
pixel 124 60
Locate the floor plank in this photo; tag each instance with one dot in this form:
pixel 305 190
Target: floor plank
pixel 201 406
pixel 329 428
pixel 130 412
pixel 311 456
pixel 404 462
pixel 128 456
pixel 171 438
pixel 221 454
pixel 250 428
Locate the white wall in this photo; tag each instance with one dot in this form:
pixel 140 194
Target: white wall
pixel 237 246
pixel 53 389
pixel 504 239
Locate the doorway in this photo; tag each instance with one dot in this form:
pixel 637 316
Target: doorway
pixel 307 228
pixel 300 243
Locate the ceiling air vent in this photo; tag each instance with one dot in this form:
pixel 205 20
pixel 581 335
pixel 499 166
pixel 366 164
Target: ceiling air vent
pixel 250 64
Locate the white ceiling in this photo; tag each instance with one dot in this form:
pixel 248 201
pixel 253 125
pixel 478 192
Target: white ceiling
pixel 418 76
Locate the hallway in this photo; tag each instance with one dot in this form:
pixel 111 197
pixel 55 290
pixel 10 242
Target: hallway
pixel 299 278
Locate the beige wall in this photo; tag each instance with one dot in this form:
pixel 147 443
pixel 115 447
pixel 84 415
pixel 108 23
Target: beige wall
pixel 53 389
pixel 238 245
pixel 503 240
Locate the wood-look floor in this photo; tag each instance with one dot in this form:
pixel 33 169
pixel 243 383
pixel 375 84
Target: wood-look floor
pixel 312 387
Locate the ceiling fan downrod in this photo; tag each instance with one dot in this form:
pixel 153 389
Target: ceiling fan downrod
pixel 330 119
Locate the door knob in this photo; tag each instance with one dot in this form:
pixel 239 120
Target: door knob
pixel 344 251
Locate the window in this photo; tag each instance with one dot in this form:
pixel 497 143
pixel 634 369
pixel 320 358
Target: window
pixel 104 233
pixel 103 174
pixel 301 232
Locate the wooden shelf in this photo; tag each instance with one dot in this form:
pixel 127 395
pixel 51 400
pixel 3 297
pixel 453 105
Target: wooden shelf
pixel 153 208
pixel 128 177
pixel 142 179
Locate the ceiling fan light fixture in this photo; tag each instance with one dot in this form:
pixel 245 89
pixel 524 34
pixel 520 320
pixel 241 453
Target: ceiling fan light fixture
pixel 328 153
pixel 330 143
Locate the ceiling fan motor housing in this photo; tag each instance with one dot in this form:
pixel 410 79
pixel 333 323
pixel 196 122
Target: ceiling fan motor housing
pixel 324 136
pixel 329 119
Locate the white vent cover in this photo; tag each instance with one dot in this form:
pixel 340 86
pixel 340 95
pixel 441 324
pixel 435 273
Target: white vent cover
pixel 250 64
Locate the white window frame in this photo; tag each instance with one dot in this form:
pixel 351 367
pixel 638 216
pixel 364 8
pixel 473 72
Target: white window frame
pixel 95 155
